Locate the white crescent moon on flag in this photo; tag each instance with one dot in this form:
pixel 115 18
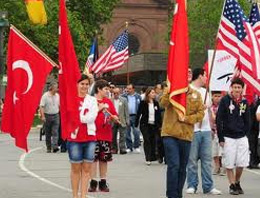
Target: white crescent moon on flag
pixel 21 64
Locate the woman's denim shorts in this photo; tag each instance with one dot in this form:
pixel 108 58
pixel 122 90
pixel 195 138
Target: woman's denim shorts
pixel 81 151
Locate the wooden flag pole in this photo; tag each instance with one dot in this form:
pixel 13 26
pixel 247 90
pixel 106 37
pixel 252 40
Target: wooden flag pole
pixel 213 60
pixel 34 46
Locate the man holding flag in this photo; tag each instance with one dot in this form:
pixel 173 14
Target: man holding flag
pixel 183 105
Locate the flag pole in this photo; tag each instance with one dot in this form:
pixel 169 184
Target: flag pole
pixel 34 46
pixel 127 65
pixel 213 58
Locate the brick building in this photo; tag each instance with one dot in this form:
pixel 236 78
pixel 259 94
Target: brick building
pixel 148 27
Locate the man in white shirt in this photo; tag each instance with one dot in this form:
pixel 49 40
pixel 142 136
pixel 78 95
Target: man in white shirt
pixel 49 110
pixel 201 144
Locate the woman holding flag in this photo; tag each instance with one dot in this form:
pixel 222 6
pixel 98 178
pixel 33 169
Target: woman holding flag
pixel 82 142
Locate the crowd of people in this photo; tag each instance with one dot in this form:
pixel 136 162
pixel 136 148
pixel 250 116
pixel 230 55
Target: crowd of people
pixel 217 131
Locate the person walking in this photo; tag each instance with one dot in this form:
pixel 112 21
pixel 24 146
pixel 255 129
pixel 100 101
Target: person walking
pixel 201 148
pixel 133 100
pixel 177 133
pixel 106 115
pixel 233 124
pixel 49 114
pixel 121 106
pixel 150 121
pixel 82 142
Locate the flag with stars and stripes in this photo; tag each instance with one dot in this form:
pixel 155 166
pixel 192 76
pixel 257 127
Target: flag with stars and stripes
pixel 254 19
pixel 114 57
pixel 237 37
pixel 178 60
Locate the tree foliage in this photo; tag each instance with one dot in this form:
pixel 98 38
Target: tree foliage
pixel 85 19
pixel 204 17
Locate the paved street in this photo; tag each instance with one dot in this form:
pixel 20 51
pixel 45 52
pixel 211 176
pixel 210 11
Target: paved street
pixel 41 175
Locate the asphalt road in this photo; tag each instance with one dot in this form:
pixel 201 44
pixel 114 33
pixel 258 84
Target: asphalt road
pixel 38 174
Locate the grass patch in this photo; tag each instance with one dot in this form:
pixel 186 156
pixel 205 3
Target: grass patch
pixel 36 121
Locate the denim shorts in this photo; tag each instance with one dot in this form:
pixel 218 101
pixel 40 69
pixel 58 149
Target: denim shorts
pixel 81 151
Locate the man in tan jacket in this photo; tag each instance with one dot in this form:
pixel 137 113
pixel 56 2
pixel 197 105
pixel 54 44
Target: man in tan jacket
pixel 177 133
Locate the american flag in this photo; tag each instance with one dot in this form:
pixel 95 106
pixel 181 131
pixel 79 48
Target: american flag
pixel 255 20
pixel 237 37
pixel 114 57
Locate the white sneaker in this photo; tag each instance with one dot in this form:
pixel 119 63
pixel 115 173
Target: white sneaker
pixel 137 150
pixel 191 190
pixel 148 163
pixel 215 191
pixel 128 150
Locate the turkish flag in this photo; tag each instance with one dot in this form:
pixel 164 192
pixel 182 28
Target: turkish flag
pixel 69 74
pixel 178 59
pixel 27 70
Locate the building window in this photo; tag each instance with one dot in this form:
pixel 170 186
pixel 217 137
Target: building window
pixel 134 44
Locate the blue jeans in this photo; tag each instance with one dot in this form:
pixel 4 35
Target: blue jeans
pixel 200 150
pixel 81 151
pixel 177 155
pixel 129 142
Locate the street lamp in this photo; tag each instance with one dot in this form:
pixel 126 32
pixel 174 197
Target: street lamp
pixel 3 24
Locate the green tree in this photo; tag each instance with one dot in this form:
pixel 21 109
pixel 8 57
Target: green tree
pixel 204 17
pixel 85 19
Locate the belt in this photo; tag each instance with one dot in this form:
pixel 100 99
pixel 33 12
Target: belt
pixel 132 114
pixel 51 114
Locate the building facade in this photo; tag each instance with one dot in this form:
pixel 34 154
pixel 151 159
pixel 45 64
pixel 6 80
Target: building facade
pixel 148 27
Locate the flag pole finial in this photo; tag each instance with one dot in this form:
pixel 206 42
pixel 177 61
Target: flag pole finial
pixel 126 24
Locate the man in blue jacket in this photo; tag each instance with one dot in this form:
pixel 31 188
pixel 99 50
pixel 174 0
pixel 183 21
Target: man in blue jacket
pixel 233 122
pixel 133 100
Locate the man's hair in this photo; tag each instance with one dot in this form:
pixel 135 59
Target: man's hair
pixel 100 84
pixel 144 88
pixel 238 81
pixel 164 84
pixel 215 92
pixel 52 85
pixel 131 84
pixel 197 72
pixel 83 77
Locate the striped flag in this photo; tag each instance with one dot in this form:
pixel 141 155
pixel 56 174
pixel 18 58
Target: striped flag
pixel 237 37
pixel 254 19
pixel 36 11
pixel 114 57
pixel 92 57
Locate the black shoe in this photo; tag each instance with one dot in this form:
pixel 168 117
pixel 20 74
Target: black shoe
pixel 123 152
pixel 160 160
pixel 233 190
pixel 239 189
pixel 55 150
pixel 93 186
pixel 103 187
pixel 63 150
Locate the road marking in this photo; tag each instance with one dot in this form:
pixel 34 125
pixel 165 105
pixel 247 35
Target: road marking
pixel 22 166
pixel 251 171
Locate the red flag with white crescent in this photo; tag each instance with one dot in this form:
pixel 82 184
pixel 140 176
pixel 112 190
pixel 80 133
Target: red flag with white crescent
pixel 27 70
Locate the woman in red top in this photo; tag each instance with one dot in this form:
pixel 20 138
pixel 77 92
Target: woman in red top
pixel 107 114
pixel 82 142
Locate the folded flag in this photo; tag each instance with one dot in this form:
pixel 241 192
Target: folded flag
pixel 36 11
